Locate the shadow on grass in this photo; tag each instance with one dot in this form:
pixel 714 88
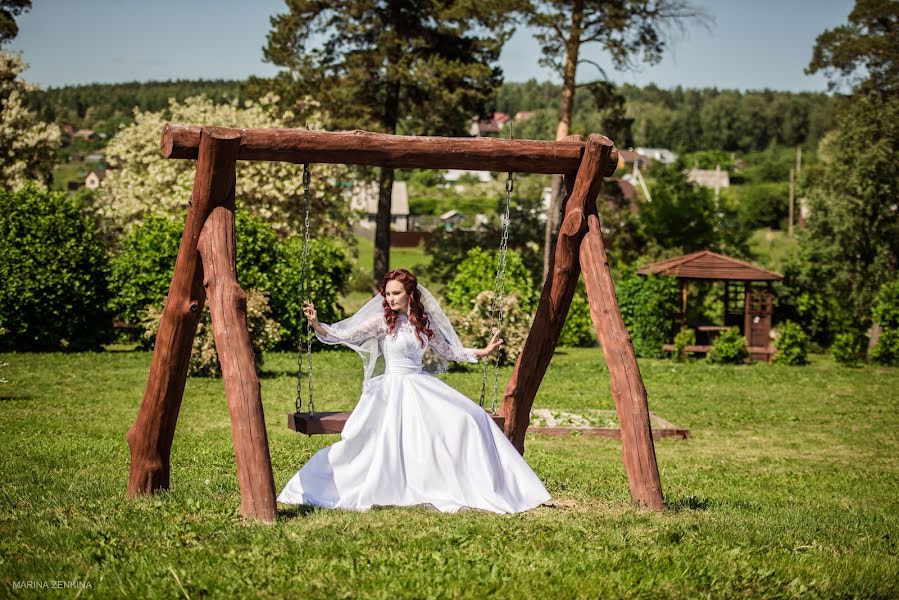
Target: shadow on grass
pixel 297 511
pixel 23 397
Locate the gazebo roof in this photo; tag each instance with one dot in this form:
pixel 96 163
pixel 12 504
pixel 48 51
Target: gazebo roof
pixel 706 264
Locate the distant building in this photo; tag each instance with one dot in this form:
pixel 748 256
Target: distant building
pixel 663 155
pixel 95 157
pixel 491 126
pixel 86 134
pixel 451 219
pixel 94 179
pixel 709 178
pixel 523 115
pixel 453 175
pixel 628 158
pixel 364 198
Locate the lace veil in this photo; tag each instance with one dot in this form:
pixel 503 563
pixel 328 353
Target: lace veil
pixel 364 330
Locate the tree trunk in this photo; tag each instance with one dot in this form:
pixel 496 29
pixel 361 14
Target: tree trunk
pixel 382 225
pixel 566 109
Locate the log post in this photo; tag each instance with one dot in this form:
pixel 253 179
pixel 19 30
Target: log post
pixel 150 437
pixel 555 298
pixel 628 392
pixel 228 306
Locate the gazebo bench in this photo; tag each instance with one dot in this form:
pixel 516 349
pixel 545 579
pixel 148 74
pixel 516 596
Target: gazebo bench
pixel 755 352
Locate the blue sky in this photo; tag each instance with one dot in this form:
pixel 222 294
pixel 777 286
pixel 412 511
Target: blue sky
pixel 752 44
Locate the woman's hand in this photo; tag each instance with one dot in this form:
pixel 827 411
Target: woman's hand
pixel 311 314
pixel 493 345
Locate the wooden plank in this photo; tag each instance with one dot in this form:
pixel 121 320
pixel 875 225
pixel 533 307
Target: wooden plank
pixel 323 423
pixel 394 151
pixel 610 432
pixel 556 295
pixel 628 391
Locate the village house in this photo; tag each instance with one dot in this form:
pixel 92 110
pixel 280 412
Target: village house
pixel 364 198
pixel 709 178
pixel 94 179
pixel 663 155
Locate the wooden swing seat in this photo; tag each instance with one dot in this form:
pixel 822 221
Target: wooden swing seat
pixel 332 422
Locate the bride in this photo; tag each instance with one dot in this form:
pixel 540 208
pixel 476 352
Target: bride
pixel 412 439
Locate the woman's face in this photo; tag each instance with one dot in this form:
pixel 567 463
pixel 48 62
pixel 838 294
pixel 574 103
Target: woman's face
pixel 396 295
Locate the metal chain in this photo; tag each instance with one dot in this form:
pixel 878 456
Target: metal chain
pixel 499 289
pixel 306 294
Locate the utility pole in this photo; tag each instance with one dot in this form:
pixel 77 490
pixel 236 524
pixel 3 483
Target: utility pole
pixel 790 216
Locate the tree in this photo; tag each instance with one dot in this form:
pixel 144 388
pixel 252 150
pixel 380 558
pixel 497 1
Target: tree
pixel 868 44
pixel 28 145
pixel 404 65
pixel 140 182
pixel 9 10
pixel 850 246
pixel 623 28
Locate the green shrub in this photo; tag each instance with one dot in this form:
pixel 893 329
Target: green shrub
pixel 648 306
pixel 847 349
pixel 204 362
pixel 330 267
pixel 791 344
pixel 886 306
pixel 886 351
pixel 685 337
pixel 578 329
pixel 477 273
pixel 142 270
pixel 886 314
pixel 729 347
pixel 53 274
pixel 474 330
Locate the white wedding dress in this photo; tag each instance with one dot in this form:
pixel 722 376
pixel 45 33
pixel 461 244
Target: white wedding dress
pixel 414 440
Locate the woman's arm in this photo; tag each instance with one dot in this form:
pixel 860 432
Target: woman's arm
pixel 471 355
pixel 333 335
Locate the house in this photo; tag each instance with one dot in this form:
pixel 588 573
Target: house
pixel 453 175
pixel 95 157
pixel 709 178
pixel 364 198
pixel 491 126
pixel 451 219
pixel 618 193
pixel 629 158
pixel 663 155
pixel 94 179
pixel 86 134
pixel 523 115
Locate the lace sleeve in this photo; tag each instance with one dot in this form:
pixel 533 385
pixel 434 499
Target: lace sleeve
pixel 373 328
pixel 450 352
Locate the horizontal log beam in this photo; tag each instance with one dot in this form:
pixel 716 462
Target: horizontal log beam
pixel 395 151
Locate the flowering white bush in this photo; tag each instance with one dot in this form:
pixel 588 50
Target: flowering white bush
pixel 141 182
pixel 27 145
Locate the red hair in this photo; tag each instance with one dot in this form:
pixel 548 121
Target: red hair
pixel 417 315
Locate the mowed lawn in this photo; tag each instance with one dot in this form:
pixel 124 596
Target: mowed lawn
pixel 788 487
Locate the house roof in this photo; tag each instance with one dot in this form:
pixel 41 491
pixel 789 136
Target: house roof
pixel 706 264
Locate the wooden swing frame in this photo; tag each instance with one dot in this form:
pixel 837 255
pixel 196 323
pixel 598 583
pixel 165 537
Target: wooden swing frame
pixel 205 266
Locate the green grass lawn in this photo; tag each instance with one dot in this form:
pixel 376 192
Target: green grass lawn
pixel 787 488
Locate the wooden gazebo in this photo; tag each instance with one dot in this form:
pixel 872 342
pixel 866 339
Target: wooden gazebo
pixel 747 306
